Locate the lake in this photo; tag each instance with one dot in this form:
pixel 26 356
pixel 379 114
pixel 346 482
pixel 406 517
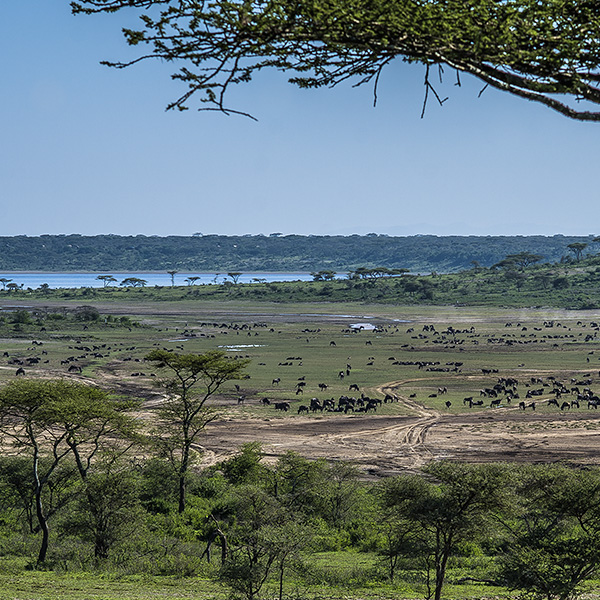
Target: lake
pixel 80 280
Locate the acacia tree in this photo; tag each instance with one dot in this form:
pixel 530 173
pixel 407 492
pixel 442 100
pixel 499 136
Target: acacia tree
pixel 235 276
pixel 190 381
pixel 133 282
pixel 554 532
pixel 547 52
pixel 99 432
pixel 50 420
pixel 522 260
pixel 172 273
pixel 451 508
pixel 577 249
pixel 106 279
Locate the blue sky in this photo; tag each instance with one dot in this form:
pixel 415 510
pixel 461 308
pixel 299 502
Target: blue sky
pixel 88 149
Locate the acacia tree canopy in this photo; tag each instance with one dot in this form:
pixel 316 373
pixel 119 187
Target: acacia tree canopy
pixel 547 52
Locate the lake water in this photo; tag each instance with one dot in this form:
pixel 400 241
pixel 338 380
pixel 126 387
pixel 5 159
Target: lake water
pixel 80 280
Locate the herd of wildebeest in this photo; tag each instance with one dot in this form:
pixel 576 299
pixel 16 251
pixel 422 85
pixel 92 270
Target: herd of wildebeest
pixel 525 391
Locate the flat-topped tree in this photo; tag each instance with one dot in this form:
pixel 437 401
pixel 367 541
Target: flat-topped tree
pixel 106 279
pixel 172 273
pixel 521 260
pixel 190 381
pixel 577 249
pixel 547 52
pixel 133 282
pixel 235 276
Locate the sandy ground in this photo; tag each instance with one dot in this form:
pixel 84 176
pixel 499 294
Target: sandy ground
pixel 384 445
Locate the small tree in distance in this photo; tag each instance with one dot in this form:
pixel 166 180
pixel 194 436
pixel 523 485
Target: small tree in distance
pixel 133 282
pixel 577 249
pixel 172 273
pixel 106 279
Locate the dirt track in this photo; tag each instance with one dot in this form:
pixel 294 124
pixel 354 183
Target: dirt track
pixel 386 445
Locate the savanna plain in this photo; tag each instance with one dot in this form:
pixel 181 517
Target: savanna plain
pixel 356 395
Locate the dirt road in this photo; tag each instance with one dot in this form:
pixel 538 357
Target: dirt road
pixel 387 445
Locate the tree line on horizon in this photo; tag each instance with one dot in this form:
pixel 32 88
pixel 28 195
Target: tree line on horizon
pixel 251 253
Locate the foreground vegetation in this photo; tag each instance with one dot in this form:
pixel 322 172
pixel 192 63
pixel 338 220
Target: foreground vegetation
pixel 306 529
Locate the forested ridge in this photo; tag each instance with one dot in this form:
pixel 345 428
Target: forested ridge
pixel 420 253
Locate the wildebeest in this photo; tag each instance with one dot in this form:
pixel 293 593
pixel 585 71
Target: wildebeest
pixel 448 404
pixel 20 371
pixel 284 406
pixel 303 408
pixel 353 386
pixel 315 405
pixel 276 381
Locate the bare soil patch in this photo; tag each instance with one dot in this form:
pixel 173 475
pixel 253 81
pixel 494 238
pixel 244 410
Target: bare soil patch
pixel 388 445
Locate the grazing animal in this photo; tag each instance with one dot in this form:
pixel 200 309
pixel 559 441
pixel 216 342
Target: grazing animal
pixel 448 404
pixel 276 381
pixel 354 387
pixel 332 343
pixel 302 408
pixel 284 406
pixel 266 402
pixel 565 405
pixel 20 371
pixel 315 405
pixel 323 386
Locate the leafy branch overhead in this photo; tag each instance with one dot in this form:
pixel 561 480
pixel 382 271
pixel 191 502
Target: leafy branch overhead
pixel 547 52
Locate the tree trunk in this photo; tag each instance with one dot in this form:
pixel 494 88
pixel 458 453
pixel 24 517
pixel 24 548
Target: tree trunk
pixel 181 493
pixel 440 574
pixel 183 469
pixel 41 517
